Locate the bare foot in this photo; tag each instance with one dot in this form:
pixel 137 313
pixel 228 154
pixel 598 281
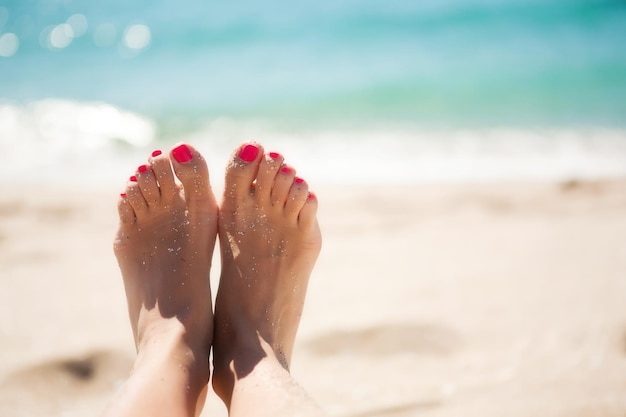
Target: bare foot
pixel 164 247
pixel 269 240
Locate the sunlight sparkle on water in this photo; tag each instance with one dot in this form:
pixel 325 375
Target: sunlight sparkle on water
pixel 137 36
pixel 78 23
pixel 8 44
pixel 61 36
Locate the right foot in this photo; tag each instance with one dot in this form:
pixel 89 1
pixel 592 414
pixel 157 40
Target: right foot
pixel 269 240
pixel 164 246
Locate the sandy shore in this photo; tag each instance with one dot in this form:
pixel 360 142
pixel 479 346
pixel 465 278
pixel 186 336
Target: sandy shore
pixel 481 300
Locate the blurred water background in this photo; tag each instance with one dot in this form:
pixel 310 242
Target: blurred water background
pixel 350 91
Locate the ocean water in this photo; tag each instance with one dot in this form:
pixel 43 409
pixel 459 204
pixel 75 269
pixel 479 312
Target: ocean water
pixel 351 91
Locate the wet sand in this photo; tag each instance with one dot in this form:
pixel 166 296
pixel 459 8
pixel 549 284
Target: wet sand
pixel 464 300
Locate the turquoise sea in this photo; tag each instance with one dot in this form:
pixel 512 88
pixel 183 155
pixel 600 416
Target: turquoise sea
pixel 369 90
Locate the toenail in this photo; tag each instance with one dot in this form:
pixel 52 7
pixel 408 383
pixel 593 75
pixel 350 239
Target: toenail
pixel 123 195
pixel 132 178
pixel 285 170
pixel 298 180
pixel 142 168
pixel 274 155
pixel 249 153
pixel 182 154
pixel 156 153
pixel 311 196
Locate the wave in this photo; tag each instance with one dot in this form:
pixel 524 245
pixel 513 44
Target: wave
pixel 54 123
pixel 54 139
pixel 409 153
pixel 61 141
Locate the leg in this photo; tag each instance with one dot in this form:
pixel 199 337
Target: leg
pixel 164 246
pixel 270 240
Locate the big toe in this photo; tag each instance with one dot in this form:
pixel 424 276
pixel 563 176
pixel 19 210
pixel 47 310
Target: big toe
pixel 242 171
pixel 191 169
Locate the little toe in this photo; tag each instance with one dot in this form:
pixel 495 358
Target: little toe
pixel 191 169
pixel 125 211
pixel 297 197
pixel 307 217
pixel 148 185
pixel 242 170
pixel 162 169
pixel 268 168
pixel 282 184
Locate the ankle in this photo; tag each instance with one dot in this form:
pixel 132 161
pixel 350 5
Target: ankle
pixel 168 344
pixel 153 328
pixel 239 357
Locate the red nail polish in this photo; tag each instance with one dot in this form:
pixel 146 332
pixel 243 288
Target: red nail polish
pixel 298 180
pixel 274 155
pixel 311 196
pixel 133 178
pixel 156 153
pixel 142 168
pixel 182 154
pixel 123 195
pixel 285 170
pixel 249 153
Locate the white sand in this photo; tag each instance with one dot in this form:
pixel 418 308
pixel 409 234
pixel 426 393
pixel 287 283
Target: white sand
pixel 495 300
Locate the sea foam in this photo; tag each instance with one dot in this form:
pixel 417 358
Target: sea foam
pixel 56 140
pixel 66 141
pixel 405 153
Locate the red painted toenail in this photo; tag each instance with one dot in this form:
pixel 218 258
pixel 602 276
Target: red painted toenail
pixel 249 153
pixel 142 168
pixel 274 155
pixel 285 170
pixel 132 178
pixel 156 153
pixel 311 196
pixel 298 180
pixel 123 195
pixel 182 154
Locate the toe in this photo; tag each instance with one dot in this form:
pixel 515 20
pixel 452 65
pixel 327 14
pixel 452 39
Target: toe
pixel 162 170
pixel 191 169
pixel 242 170
pixel 296 198
pixel 135 198
pixel 307 217
pixel 125 211
pixel 148 185
pixel 282 184
pixel 268 168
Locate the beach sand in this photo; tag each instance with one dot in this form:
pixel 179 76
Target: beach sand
pixel 457 300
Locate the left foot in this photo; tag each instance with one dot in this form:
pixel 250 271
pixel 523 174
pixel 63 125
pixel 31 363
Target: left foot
pixel 269 242
pixel 164 247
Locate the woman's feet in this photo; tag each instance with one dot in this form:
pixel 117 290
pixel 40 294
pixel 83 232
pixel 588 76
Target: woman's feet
pixel 269 240
pixel 164 247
